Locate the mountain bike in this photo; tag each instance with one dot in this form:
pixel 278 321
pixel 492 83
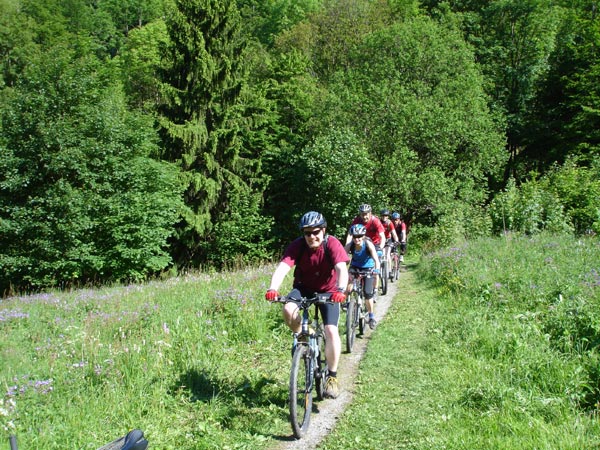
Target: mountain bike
pixel 308 363
pixel 134 440
pixel 356 311
pixel 395 269
pixel 383 274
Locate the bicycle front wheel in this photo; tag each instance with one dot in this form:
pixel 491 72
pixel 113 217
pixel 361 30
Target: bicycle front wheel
pixel 360 315
pixel 301 379
pixel 351 320
pixel 383 277
pixel 319 370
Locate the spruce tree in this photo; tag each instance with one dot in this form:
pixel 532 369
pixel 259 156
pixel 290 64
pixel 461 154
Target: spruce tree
pixel 205 118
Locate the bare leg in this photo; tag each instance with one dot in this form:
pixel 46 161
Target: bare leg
pixel 333 347
pixel 292 317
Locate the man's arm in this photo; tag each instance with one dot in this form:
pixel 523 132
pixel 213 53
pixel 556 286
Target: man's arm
pixel 341 270
pixel 374 255
pixel 278 276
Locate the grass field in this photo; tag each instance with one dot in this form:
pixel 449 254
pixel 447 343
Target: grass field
pixel 491 344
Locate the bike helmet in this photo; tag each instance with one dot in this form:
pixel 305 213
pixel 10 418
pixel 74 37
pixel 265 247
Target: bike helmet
pixel 385 212
pixel 312 219
pixel 364 208
pixel 395 215
pixel 358 230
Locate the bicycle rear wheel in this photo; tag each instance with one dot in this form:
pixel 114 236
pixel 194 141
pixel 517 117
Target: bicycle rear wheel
pixel 301 378
pixel 351 321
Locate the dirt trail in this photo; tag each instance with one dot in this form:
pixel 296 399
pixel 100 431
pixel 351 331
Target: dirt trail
pixel 330 410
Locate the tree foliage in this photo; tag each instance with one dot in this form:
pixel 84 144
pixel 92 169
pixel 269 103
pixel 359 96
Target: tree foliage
pixel 80 199
pixel 207 117
pixel 415 97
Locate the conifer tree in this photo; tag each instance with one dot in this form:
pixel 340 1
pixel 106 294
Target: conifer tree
pixel 206 118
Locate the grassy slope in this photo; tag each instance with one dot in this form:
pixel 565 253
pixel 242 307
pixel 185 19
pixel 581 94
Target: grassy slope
pixel 447 372
pixel 402 391
pixel 485 359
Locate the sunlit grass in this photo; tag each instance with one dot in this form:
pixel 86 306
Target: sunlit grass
pixel 492 344
pixel 195 361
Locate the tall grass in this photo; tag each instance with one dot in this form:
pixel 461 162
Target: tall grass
pixel 196 362
pixel 524 318
pixel 493 345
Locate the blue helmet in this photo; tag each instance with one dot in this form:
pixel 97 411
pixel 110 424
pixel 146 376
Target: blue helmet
pixel 395 215
pixel 312 219
pixel 358 230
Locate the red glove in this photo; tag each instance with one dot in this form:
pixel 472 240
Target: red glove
pixel 338 297
pixel 271 295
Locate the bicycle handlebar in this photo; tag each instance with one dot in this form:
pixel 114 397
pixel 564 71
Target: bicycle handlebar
pixel 307 301
pixel 361 271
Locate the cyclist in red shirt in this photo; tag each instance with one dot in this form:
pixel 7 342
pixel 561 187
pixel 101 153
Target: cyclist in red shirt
pixel 401 232
pixel 321 267
pixel 390 233
pixel 375 230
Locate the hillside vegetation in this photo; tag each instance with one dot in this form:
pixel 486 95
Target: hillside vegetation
pixel 148 137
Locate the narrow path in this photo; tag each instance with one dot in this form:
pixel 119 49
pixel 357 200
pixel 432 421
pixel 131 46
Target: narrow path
pixel 330 410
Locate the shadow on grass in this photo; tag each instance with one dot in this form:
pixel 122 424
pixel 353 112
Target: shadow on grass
pixel 239 404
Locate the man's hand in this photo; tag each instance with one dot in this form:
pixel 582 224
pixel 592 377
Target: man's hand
pixel 271 295
pixel 338 297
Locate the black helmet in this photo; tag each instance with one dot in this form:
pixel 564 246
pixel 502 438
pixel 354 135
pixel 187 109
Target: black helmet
pixel 313 219
pixel 364 208
pixel 385 212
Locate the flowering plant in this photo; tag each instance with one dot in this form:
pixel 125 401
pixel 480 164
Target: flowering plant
pixel 7 412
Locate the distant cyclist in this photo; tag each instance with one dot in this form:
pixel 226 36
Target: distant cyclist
pixel 320 262
pixel 401 232
pixel 390 233
pixel 373 225
pixel 364 256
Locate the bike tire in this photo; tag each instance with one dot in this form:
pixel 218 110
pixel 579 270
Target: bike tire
pixel 301 378
pixel 319 370
pixel 397 271
pixel 360 312
pixel 351 322
pixel 383 278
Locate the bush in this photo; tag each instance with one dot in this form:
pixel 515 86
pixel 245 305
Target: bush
pixel 566 199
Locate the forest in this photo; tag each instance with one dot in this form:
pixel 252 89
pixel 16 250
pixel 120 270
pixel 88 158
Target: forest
pixel 148 137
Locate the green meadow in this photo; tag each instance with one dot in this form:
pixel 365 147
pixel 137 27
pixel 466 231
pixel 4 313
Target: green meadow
pixel 489 344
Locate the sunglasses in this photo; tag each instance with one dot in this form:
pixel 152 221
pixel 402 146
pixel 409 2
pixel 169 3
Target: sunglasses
pixel 358 237
pixel 312 233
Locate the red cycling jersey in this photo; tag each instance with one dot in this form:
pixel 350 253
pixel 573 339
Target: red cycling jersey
pixel 373 226
pixel 315 269
pixel 388 227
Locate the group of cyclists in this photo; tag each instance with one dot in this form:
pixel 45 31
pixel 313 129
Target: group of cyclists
pixel 321 266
